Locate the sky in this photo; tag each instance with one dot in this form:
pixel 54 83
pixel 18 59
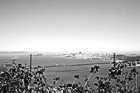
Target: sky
pixel 69 25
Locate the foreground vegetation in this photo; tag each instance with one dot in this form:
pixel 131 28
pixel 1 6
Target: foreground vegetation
pixel 21 79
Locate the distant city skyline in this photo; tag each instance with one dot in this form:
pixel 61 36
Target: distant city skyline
pixel 69 25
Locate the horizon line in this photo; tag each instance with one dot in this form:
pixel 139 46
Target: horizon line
pixel 68 51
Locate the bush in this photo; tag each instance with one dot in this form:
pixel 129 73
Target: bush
pixel 20 79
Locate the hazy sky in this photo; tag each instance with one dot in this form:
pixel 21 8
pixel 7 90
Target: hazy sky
pixel 69 25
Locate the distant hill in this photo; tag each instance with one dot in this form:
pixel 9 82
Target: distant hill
pixel 127 58
pixel 137 58
pixel 14 52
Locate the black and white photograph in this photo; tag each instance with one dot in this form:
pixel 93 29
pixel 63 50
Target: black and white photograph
pixel 69 46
